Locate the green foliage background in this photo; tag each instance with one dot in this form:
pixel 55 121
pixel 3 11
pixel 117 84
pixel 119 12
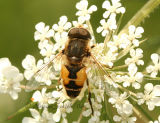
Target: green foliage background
pixel 17 22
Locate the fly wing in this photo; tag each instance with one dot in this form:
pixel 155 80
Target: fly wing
pixel 103 77
pixel 45 74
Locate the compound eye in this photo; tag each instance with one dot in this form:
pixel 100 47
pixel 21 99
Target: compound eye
pixel 85 33
pixel 79 33
pixel 73 32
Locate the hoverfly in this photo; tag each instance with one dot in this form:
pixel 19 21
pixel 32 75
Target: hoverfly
pixel 73 70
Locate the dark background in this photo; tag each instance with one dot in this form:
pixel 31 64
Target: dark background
pixel 17 26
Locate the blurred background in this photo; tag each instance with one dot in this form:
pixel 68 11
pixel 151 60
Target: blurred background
pixel 17 26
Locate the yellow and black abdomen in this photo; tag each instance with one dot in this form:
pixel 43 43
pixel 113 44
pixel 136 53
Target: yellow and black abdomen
pixel 73 79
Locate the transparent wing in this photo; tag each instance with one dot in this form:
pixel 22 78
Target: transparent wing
pixel 45 74
pixel 103 78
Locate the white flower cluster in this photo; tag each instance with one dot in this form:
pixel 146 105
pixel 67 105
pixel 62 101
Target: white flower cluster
pixel 44 100
pixel 120 102
pixel 110 13
pixel 84 12
pixel 43 32
pixel 124 118
pixel 108 81
pixel 134 34
pixel 61 27
pixel 115 8
pixel 58 33
pixel 97 107
pixel 151 96
pixel 44 77
pixel 108 26
pixel 119 42
pixel 136 56
pixel 46 117
pixel 124 40
pixel 123 106
pixel 153 69
pixel 133 78
pixel 105 58
pixel 10 78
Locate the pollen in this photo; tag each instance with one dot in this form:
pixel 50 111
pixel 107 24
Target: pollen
pixel 32 99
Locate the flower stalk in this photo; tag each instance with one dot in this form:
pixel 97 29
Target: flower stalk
pixel 22 110
pixel 141 14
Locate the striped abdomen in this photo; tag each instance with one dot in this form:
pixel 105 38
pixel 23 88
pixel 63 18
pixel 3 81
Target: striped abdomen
pixel 73 79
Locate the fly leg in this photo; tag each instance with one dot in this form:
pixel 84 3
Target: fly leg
pixel 59 83
pixel 93 46
pixel 89 97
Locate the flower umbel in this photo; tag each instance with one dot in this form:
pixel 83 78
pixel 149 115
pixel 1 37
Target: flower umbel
pixel 105 77
pixel 10 78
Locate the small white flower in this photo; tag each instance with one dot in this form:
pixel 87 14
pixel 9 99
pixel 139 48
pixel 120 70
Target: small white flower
pixel 135 33
pixel 153 69
pixel 61 27
pixel 107 26
pixel 47 49
pixel 119 42
pixel 43 32
pixel 84 13
pixel 136 56
pixel 62 109
pixel 57 115
pixel 115 8
pixel 99 94
pixel 29 64
pixel 63 106
pixel 95 118
pixel 107 58
pixel 97 107
pixel 10 78
pixel 134 77
pixel 43 77
pixel 124 118
pixel 79 23
pixel 43 98
pixel 37 118
pixel 120 102
pixel 56 94
pixel 68 106
pixel 151 96
pixel 60 42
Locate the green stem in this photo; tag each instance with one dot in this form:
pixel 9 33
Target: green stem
pixel 151 78
pixel 119 67
pixel 107 109
pixel 141 14
pixel 118 25
pixel 107 38
pixel 25 108
pixel 38 88
pixel 125 51
pixel 141 113
pixel 80 117
pixel 126 90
